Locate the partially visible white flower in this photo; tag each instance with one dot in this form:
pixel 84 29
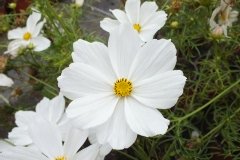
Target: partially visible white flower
pixel 79 2
pixel 117 90
pixel 144 19
pixel 28 36
pixel 51 110
pixel 104 149
pixel 49 143
pixel 5 81
pixel 225 18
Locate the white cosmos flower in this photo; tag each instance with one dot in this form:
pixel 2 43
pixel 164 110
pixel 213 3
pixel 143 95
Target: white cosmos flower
pixel 5 81
pixel 117 90
pixel 29 35
pixel 225 16
pixel 51 110
pixel 144 19
pixel 48 140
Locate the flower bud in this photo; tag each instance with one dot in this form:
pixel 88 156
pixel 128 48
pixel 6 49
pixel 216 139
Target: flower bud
pixel 12 5
pixel 79 3
pixel 174 24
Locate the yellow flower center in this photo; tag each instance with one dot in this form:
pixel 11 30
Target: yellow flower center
pixel 60 158
pixel 27 36
pixel 137 27
pixel 123 87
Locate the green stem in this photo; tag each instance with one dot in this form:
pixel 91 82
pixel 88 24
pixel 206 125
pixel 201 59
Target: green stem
pixel 210 102
pixel 40 81
pixel 220 125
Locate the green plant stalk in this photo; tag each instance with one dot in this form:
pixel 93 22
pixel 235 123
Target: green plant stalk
pixel 210 102
pixel 220 125
pixel 40 81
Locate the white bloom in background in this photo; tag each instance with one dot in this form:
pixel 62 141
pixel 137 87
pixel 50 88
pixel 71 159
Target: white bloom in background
pixel 5 81
pixel 29 35
pixel 144 19
pixel 51 110
pixel 79 2
pixel 104 149
pixel 117 90
pixel 49 143
pixel 225 18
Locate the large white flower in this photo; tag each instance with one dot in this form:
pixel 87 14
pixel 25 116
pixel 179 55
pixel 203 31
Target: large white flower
pixel 117 90
pixel 5 81
pixel 144 19
pixel 49 144
pixel 29 35
pixel 51 110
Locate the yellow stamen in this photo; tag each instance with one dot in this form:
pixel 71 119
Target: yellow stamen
pixel 137 27
pixel 27 36
pixel 123 87
pixel 60 158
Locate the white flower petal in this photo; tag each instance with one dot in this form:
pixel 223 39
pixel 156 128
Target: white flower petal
pixel 161 91
pixel 124 44
pixel 158 19
pixel 22 153
pixel 120 15
pixel 32 21
pixel 19 136
pixel 92 110
pixel 143 120
pixel 147 10
pixel 46 136
pixel 74 141
pixel 17 33
pixel 81 79
pixel 161 57
pixel 5 80
pixel 116 131
pixel 108 24
pixel 104 149
pixel 233 17
pixel 15 45
pixel 89 153
pixel 5 145
pixel 65 124
pixel 38 28
pixel 132 8
pixel 42 108
pixel 56 108
pixel 23 118
pixel 40 43
pixel 148 33
pixel 94 54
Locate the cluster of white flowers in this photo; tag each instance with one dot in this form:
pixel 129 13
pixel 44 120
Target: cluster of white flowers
pixel 116 90
pixel 225 16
